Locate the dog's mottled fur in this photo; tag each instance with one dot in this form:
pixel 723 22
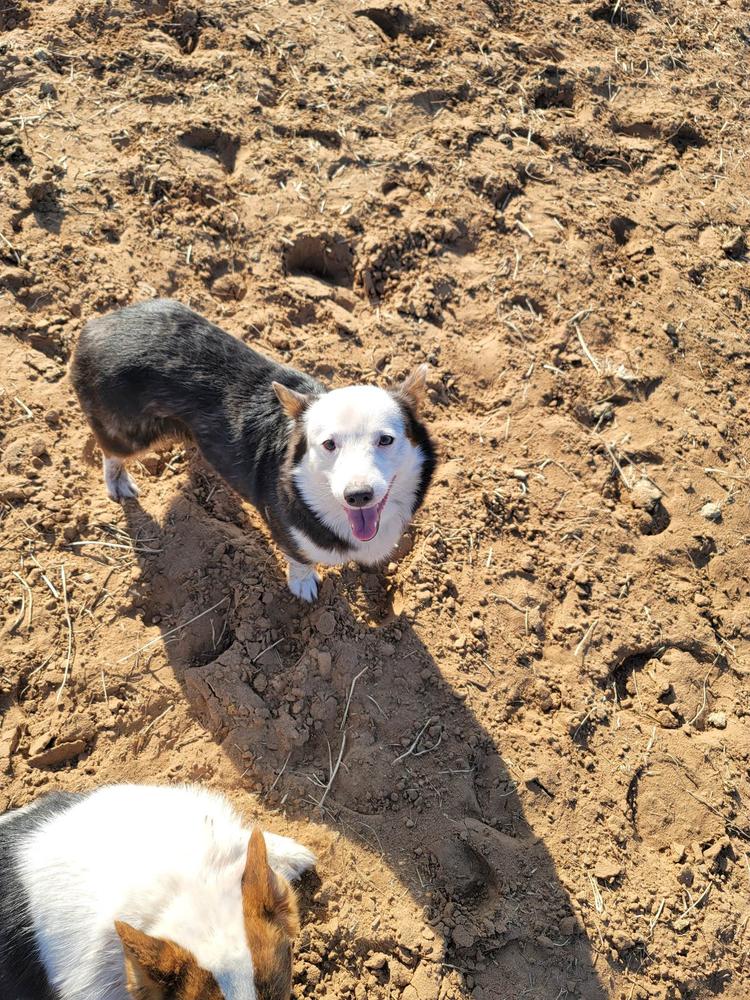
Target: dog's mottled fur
pixel 159 370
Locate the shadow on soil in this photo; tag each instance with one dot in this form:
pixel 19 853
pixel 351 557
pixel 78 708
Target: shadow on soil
pixel 420 782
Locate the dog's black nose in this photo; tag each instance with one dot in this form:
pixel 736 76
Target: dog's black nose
pixel 359 498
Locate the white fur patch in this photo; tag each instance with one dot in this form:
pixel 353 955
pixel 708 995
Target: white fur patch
pixel 302 579
pixel 169 861
pixel 355 419
pixel 118 481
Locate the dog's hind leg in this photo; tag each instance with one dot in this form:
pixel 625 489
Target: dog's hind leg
pixel 302 579
pixel 117 479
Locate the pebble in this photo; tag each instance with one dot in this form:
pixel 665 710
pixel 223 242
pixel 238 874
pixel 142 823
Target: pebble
pixel 462 937
pixel 711 511
pixel 326 623
pixel 58 754
pixel 607 869
pixel 644 495
pixel 718 720
pixel 376 961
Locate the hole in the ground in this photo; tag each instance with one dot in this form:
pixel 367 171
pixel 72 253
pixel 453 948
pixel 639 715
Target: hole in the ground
pixel 702 550
pixel 555 91
pixel 686 137
pixel 614 12
pixel 660 521
pixel 622 228
pixel 623 672
pixel 528 303
pixel 394 21
pixel 212 142
pixel 330 259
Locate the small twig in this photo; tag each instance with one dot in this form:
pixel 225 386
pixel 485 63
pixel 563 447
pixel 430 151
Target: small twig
pixel 69 656
pixel 334 772
pixel 27 604
pixel 702 709
pixel 266 650
pixel 276 779
pixel 413 748
pixel 50 584
pixel 171 631
pixel 598 901
pixel 113 545
pixel 655 919
pixel 583 644
pixel 24 407
pixel 349 698
pixel 611 453
pixel 586 350
pixel 695 903
pixel 153 723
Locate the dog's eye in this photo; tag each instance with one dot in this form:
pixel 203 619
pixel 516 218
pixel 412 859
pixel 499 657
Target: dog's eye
pixel 329 445
pixel 385 440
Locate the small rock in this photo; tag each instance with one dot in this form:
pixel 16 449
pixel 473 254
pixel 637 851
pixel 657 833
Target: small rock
pixel 326 623
pixel 568 926
pixel 462 937
pixel 376 961
pixel 711 511
pixel 624 941
pixel 607 869
pixel 40 743
pixel 324 663
pixel 521 474
pixel 718 720
pixel 645 496
pixel 712 853
pixel 58 754
pixel 678 853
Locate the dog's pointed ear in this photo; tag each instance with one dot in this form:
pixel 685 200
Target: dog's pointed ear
pixel 150 963
pixel 266 896
pixel 293 403
pixel 414 387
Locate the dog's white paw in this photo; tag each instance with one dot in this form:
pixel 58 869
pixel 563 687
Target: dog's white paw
pixel 117 479
pixel 303 581
pixel 287 857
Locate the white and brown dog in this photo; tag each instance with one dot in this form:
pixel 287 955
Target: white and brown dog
pixel 337 474
pixel 134 892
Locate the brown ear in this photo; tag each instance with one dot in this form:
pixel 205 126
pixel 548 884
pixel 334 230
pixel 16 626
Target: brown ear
pixel 266 896
pixel 412 390
pixel 292 402
pixel 150 963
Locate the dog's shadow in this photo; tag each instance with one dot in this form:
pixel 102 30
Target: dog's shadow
pixel 339 710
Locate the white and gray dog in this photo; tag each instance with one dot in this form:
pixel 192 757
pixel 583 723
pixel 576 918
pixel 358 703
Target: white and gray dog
pixel 336 474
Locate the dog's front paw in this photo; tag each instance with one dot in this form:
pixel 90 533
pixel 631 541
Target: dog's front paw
pixel 303 581
pixel 119 484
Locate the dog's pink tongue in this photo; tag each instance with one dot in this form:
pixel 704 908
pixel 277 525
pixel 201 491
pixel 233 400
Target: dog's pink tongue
pixel 364 522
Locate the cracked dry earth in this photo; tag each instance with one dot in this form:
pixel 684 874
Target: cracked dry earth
pixel 541 710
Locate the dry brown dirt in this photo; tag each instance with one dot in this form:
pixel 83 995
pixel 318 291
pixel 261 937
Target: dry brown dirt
pixel 541 713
